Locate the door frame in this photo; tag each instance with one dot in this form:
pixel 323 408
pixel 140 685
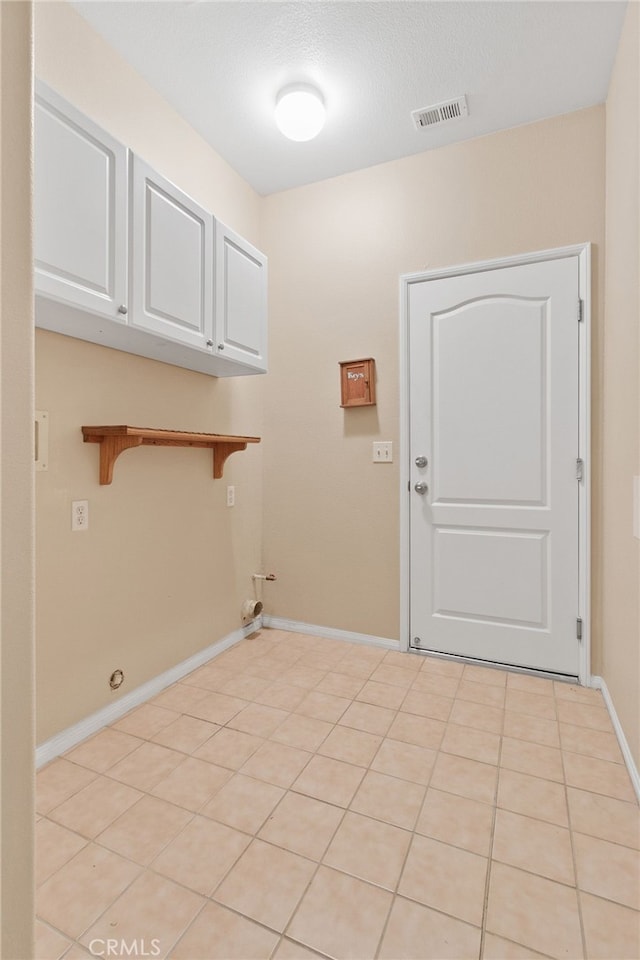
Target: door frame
pixel 583 253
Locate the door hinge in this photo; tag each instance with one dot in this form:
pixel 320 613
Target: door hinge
pixel 579 469
pixel 580 311
pixel 579 628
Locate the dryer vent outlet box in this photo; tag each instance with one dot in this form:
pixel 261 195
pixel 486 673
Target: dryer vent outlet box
pixel 439 113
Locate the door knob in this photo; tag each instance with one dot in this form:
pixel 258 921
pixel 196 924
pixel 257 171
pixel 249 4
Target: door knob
pixel 421 488
pixel 421 461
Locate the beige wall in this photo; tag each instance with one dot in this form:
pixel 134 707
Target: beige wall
pixel 16 486
pixel 163 569
pixel 336 250
pixel 621 446
pixel 164 566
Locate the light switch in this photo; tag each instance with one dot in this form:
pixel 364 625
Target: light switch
pixel 383 451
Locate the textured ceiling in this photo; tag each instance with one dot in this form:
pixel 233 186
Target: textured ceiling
pixel 220 63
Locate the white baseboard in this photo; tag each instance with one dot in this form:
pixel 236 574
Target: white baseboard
pixel 75 734
pixel 598 683
pixel 295 626
pixel 70 737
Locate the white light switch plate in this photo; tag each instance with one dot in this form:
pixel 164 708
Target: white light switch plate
pixel 383 451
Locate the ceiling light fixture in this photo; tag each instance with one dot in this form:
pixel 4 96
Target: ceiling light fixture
pixel 300 112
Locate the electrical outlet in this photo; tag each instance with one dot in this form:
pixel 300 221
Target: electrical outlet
pixel 231 496
pixel 383 452
pixel 79 515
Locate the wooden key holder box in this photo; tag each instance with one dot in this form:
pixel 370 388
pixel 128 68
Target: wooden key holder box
pixel 358 382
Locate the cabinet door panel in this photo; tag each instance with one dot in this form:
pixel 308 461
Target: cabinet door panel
pixel 80 209
pixel 172 242
pixel 241 299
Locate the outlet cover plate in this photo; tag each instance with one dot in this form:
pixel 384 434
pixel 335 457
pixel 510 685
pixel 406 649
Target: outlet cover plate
pixel 79 515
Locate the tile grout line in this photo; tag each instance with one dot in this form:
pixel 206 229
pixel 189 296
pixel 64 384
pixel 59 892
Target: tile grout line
pixel 208 898
pixel 571 838
pixel 50 926
pixel 336 723
pixel 187 928
pixel 487 886
pixel 283 933
pixel 346 810
pixel 318 865
pixel 144 867
pixel 396 888
pixel 95 840
pixel 239 770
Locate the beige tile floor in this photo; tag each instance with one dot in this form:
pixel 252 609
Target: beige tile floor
pixel 301 797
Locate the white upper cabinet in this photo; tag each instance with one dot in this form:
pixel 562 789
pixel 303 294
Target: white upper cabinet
pixel 241 299
pixel 80 210
pixel 172 261
pixel 126 259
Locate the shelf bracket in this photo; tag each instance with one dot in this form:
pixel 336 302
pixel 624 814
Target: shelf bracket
pixel 110 450
pixel 221 452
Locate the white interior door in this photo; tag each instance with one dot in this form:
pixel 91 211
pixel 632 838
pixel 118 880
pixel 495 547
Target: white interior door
pixel 494 412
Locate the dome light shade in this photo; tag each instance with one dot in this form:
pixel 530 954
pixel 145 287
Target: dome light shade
pixel 300 112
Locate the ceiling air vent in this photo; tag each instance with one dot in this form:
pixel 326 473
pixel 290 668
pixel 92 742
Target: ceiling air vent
pixel 440 113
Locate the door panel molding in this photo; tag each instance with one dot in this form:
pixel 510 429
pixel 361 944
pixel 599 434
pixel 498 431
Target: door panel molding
pixel 468 422
pixel 582 252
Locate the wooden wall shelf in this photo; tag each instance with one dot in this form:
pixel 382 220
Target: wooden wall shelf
pixel 114 440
